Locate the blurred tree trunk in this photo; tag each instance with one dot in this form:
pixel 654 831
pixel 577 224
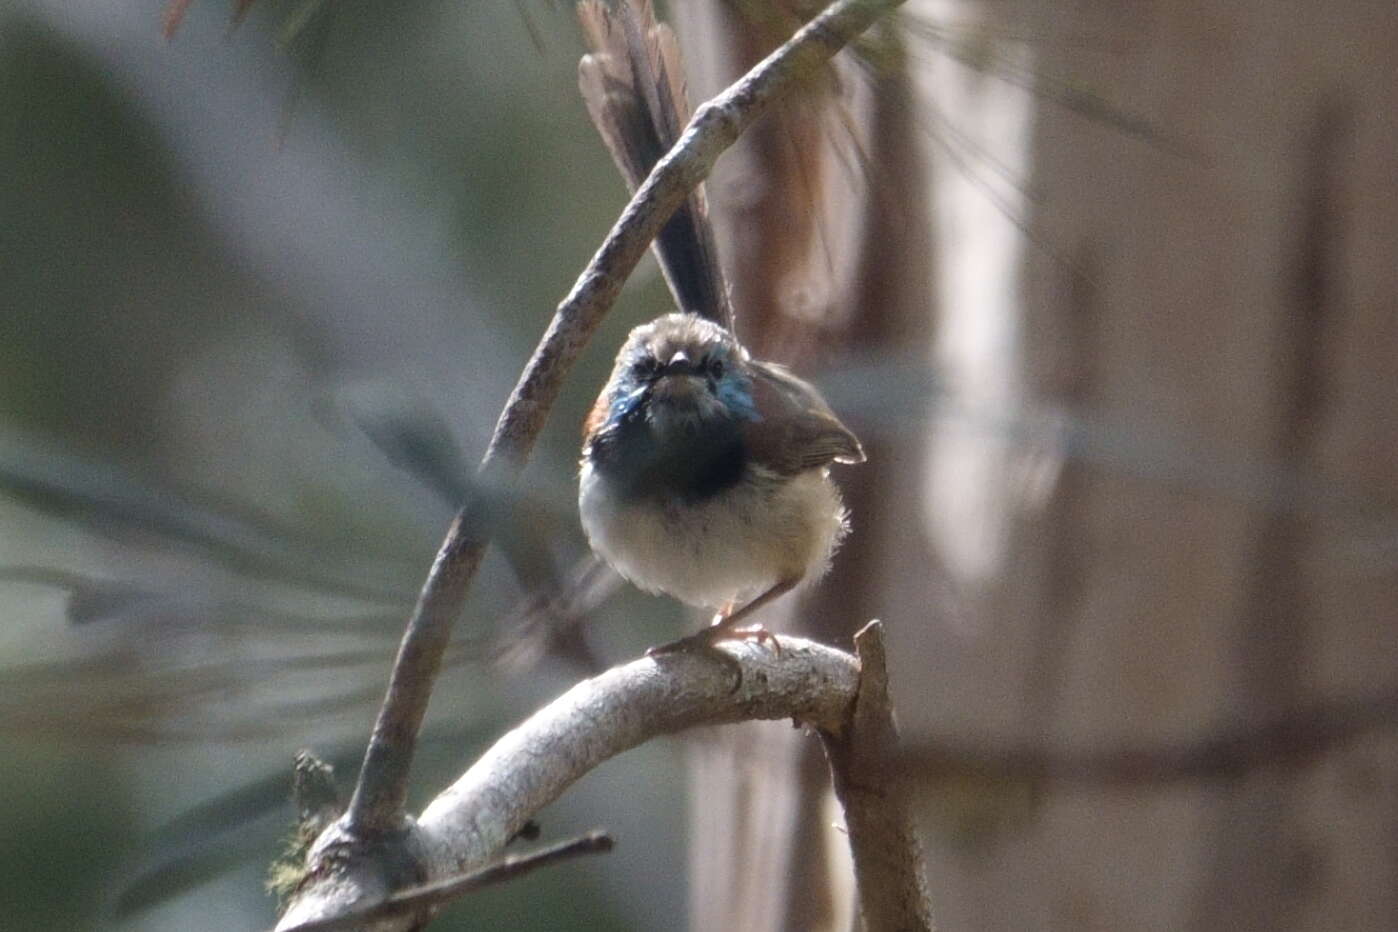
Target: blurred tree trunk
pixel 1162 485
pixel 1229 339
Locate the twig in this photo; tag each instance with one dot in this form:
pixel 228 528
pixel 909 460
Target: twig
pixel 313 788
pixel 429 896
pixel 378 803
pixel 889 866
pixel 472 820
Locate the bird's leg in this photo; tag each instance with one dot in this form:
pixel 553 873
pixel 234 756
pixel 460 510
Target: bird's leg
pixel 723 613
pixel 727 625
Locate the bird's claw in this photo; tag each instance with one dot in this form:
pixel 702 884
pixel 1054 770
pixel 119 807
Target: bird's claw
pixel 709 639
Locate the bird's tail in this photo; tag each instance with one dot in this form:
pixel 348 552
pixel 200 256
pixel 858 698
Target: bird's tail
pixel 633 85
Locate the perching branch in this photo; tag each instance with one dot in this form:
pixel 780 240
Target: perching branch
pixel 377 807
pixel 472 820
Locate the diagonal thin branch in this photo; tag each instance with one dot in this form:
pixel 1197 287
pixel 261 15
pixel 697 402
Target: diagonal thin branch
pixel 378 803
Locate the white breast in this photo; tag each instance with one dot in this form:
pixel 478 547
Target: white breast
pixel 726 549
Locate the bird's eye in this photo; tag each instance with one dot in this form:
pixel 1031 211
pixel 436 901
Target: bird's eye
pixel 715 366
pixel 645 367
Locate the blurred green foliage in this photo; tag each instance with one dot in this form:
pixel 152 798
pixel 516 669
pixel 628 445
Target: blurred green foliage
pixel 64 829
pixel 178 331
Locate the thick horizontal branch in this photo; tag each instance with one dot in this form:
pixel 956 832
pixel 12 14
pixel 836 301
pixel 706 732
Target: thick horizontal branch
pixel 528 768
pixel 620 709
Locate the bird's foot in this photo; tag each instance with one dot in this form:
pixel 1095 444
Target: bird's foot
pixel 754 634
pixel 709 639
pixel 721 630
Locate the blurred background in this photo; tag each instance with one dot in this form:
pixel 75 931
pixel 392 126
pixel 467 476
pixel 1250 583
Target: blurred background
pixel 1107 290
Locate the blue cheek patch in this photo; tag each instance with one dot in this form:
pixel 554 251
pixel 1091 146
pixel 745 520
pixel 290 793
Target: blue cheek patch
pixel 736 395
pixel 733 391
pixel 627 399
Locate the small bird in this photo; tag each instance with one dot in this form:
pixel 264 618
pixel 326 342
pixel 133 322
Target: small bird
pixel 705 474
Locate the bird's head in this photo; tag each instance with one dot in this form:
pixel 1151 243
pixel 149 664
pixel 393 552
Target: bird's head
pixel 679 375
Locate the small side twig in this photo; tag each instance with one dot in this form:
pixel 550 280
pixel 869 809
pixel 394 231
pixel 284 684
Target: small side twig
pixel 313 789
pixel 377 806
pixel 430 896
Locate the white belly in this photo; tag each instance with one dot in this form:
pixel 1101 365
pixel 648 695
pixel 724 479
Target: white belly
pixel 725 549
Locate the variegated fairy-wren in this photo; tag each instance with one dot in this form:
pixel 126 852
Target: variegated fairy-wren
pixel 705 473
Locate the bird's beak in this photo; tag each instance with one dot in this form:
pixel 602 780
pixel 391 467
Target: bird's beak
pixel 679 387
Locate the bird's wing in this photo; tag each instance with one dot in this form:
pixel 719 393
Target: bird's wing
pixel 797 430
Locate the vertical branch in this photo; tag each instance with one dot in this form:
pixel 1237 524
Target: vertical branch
pixel 888 862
